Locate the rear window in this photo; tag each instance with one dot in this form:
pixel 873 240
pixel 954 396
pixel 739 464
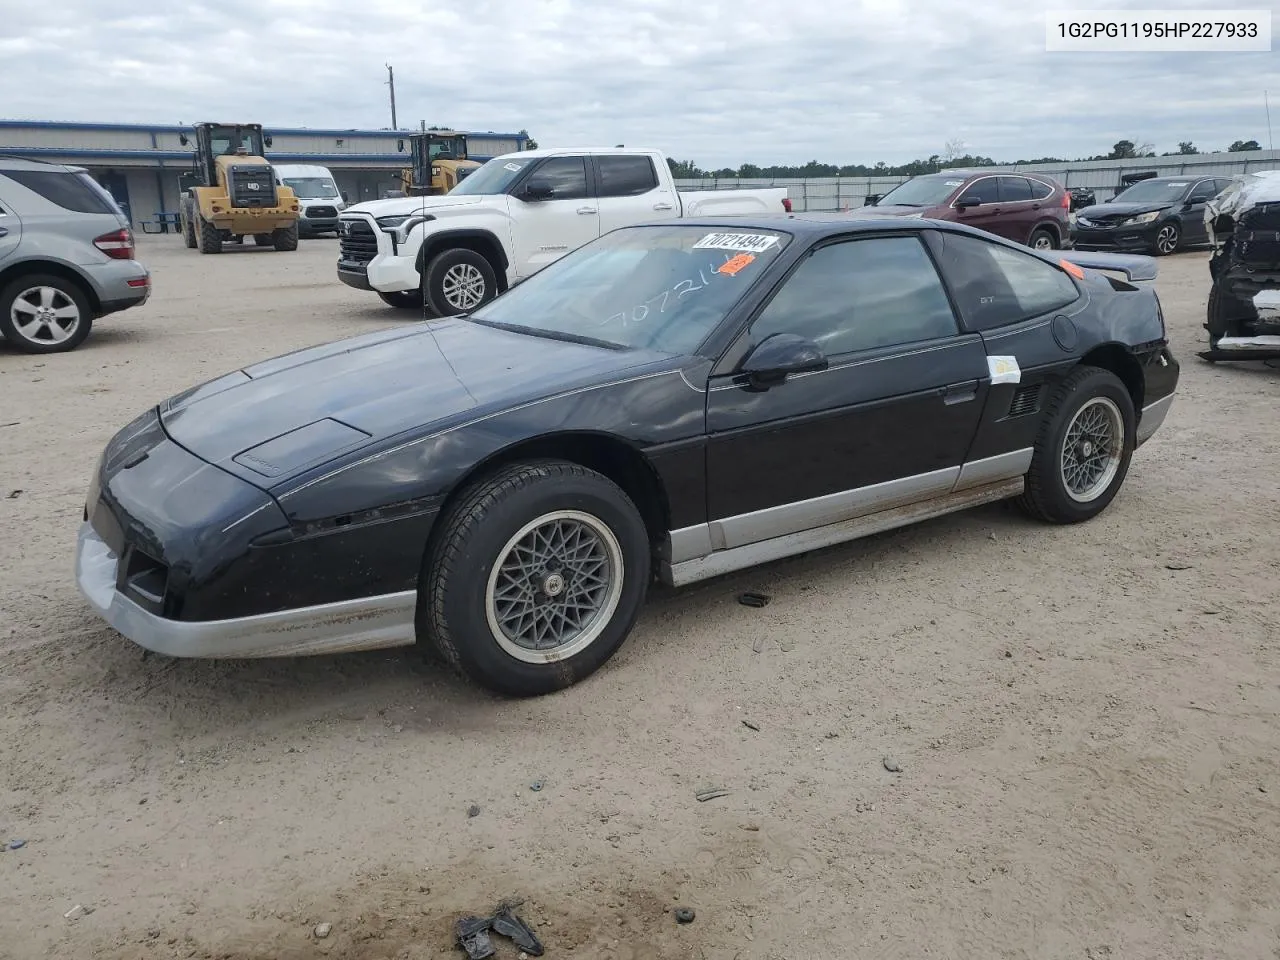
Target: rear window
pixel 71 191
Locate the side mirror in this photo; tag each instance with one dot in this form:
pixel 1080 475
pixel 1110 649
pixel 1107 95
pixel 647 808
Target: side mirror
pixel 779 356
pixel 967 201
pixel 538 189
pixel 346 198
pixel 399 146
pixel 872 199
pixel 182 139
pixel 266 139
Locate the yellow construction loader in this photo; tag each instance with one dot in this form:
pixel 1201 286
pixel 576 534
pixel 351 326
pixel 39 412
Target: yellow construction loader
pixel 231 192
pixel 439 162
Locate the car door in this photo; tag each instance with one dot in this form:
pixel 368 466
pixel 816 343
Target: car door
pixel 630 191
pixel 987 213
pixel 544 230
pixel 887 423
pixel 1019 211
pixel 1191 213
pixel 10 226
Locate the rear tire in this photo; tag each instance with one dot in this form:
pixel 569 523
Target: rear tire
pixel 42 313
pixel 1083 448
pixel 208 236
pixel 1226 315
pixel 189 230
pixel 1042 238
pixel 286 238
pixel 459 281
pixel 531 619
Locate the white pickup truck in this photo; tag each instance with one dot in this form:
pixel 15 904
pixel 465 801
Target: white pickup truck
pixel 513 216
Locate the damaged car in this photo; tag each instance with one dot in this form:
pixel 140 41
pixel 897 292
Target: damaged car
pixel 1243 224
pixel 672 401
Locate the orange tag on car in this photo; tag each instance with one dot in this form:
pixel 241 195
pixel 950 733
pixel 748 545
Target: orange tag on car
pixel 740 262
pixel 1072 269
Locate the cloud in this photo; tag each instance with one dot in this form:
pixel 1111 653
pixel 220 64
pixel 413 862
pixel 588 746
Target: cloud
pixel 720 82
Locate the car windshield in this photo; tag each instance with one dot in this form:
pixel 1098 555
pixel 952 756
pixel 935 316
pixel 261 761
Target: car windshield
pixel 642 288
pixel 494 177
pixel 1154 191
pixel 927 191
pixel 312 188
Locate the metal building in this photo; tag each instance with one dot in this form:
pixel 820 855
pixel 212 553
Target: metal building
pixel 140 163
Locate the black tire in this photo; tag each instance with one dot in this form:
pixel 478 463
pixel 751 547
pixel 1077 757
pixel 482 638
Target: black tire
pixel 1162 247
pixel 188 229
pixel 1047 239
pixel 286 238
pixel 1047 496
pixel 209 237
pixel 264 240
pixel 404 300
pixel 444 268
pixel 1225 315
pixel 38 340
pixel 454 584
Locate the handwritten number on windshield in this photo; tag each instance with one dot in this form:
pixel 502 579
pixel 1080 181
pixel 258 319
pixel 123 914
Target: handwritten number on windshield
pixel 640 312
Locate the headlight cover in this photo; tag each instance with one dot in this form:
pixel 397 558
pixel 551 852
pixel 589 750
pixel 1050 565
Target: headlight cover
pixel 1142 218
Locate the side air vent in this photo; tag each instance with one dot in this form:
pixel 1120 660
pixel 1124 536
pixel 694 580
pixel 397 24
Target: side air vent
pixel 1026 399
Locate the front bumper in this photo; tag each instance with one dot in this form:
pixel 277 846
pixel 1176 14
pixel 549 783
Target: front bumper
pixel 318 225
pixel 384 274
pixel 365 624
pixel 1118 238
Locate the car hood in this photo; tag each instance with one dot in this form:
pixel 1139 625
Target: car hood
pixel 401 205
pixel 277 419
pixel 891 211
pixel 1119 211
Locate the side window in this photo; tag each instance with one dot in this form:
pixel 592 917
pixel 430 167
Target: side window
pixel 67 190
pixel 995 285
pixel 1202 191
pixel 626 176
pixel 1014 189
pixel 984 191
pixel 859 294
pixel 567 176
pixel 1040 190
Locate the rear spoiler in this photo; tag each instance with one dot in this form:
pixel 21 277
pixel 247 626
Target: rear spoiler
pixel 1135 267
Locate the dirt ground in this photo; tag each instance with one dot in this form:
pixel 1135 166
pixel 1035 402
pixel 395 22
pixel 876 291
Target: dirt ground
pixel 1085 719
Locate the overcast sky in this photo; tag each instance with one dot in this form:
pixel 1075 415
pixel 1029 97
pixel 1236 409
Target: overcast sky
pixel 719 82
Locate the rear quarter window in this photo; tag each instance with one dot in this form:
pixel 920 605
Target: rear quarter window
pixel 65 189
pixel 1039 189
pixel 995 286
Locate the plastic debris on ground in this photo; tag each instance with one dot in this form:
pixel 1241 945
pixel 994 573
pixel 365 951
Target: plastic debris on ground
pixel 473 933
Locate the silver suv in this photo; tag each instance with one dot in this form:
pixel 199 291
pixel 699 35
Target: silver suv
pixel 66 256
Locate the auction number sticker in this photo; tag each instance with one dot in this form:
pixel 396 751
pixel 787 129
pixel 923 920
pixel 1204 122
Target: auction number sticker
pixel 1149 31
pixel 513 167
pixel 744 242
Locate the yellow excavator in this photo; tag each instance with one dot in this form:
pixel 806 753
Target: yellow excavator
pixel 439 161
pixel 231 191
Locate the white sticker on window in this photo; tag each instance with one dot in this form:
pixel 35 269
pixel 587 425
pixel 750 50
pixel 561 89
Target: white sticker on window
pixel 746 242
pixel 1178 184
pixel 953 183
pixel 1004 370
pixel 513 167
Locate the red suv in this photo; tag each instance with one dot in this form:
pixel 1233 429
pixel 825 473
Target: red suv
pixel 1028 208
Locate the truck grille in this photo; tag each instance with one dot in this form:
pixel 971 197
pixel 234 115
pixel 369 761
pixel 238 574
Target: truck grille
pixel 317 213
pixel 357 243
pixel 252 186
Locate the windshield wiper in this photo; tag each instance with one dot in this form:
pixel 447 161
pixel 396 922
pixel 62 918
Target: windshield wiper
pixel 550 334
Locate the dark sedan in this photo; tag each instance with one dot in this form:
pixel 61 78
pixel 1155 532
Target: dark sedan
pixel 679 400
pixel 1158 215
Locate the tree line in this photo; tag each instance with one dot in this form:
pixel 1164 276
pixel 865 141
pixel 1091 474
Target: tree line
pixel 951 157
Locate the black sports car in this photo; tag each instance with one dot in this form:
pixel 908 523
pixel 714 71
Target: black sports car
pixel 679 400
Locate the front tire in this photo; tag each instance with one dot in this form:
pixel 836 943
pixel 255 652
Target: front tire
pixel 41 313
pixel 188 229
pixel 536 578
pixel 1166 241
pixel 459 281
pixel 286 238
pixel 208 236
pixel 1083 448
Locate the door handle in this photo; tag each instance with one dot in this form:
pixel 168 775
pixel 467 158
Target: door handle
pixel 960 392
pixel 662 206
pixel 586 210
